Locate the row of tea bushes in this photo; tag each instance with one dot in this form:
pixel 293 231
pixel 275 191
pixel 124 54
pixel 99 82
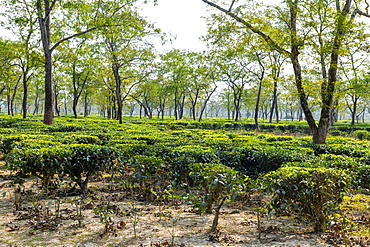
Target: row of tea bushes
pixel 156 159
pixel 252 160
pixel 78 161
pixel 251 153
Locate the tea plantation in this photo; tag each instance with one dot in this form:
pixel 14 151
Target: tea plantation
pixel 208 165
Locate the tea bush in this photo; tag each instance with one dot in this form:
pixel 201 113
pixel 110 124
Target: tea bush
pixel 181 157
pixel 44 163
pixel 151 173
pixel 309 192
pixel 361 134
pixel 85 160
pixel 218 182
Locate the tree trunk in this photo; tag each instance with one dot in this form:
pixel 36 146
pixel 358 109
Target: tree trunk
pixel 56 102
pixel 44 24
pixel 257 105
pixel 319 131
pixel 205 104
pixel 217 214
pixel 274 103
pixel 25 95
pixel 49 101
pixel 86 106
pixel 13 97
pixel 353 110
pixel 117 77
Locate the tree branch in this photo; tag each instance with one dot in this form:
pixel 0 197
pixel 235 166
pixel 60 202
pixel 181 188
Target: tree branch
pixel 76 35
pixel 267 38
pixel 357 11
pixel 231 6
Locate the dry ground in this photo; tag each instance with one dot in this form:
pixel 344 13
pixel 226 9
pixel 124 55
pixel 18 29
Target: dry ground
pixel 39 222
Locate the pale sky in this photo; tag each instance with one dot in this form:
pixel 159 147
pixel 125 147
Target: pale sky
pixel 181 18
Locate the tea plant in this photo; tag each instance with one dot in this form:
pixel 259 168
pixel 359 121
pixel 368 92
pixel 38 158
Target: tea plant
pixel 219 183
pixel 309 192
pixel 105 217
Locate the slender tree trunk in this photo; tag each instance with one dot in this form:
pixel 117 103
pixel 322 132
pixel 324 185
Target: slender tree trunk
pixel 205 104
pixel 86 105
pixel 228 104
pixel 44 24
pixel 274 103
pixel 12 98
pixel 257 105
pixel 115 68
pixel 36 103
pixel 25 94
pixel 181 107
pixel 353 110
pixel 56 102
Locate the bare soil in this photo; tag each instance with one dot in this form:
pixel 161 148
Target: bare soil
pixel 53 221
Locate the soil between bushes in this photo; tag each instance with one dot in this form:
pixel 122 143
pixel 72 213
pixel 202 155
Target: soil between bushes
pixel 132 223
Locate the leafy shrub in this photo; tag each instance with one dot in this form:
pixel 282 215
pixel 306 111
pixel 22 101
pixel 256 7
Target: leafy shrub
pixel 258 160
pixel 66 128
pixel 150 172
pixel 181 157
pixel 329 161
pixel 279 138
pixel 361 134
pixel 309 192
pixel 81 139
pixel 337 133
pixel 218 182
pixel 8 141
pixel 86 160
pixel 6 131
pixel 130 150
pixel 43 163
pixel 363 176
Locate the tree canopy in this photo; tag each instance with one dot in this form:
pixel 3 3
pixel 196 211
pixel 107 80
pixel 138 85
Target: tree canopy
pixel 260 61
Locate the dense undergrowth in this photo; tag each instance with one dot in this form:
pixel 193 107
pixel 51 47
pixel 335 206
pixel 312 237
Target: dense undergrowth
pixel 204 163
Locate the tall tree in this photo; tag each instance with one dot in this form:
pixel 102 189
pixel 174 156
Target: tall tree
pixel 76 18
pixel 339 24
pixel 177 70
pixel 19 18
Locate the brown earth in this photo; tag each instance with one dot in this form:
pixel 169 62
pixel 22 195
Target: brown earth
pixel 39 222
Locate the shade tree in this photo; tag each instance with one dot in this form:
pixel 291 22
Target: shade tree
pixel 354 71
pixel 292 15
pixel 19 17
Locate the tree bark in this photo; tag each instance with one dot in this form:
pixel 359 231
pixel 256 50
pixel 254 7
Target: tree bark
pixel 205 104
pixel 44 24
pixel 25 96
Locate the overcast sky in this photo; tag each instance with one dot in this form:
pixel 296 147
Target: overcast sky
pixel 181 18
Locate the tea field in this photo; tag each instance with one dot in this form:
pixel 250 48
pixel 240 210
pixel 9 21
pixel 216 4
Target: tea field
pixel 147 182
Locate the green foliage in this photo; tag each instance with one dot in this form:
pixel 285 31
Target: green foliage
pixel 361 134
pixel 66 128
pixel 86 160
pixel 151 173
pixel 309 192
pixel 337 133
pixel 256 160
pixel 218 182
pixel 181 157
pixel 363 176
pixel 43 163
pixel 9 142
pixel 81 139
pixel 79 161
